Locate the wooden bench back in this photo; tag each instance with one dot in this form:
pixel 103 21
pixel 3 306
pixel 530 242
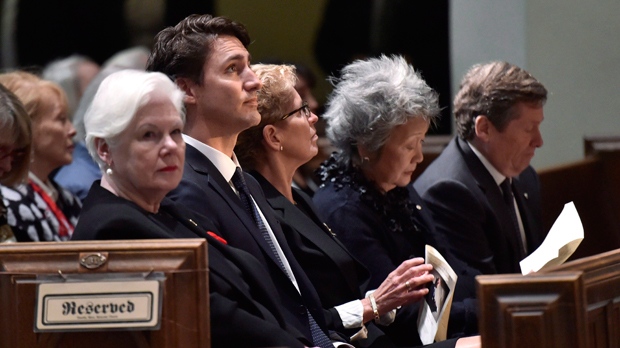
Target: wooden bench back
pixel 575 305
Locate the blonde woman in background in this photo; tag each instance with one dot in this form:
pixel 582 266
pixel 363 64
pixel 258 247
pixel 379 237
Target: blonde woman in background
pixel 41 210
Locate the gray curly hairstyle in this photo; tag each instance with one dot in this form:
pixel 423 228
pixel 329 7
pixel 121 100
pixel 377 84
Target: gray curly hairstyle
pixel 372 97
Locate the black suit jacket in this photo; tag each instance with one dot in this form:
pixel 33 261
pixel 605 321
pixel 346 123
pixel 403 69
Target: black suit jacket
pixel 363 230
pixel 469 211
pixel 337 276
pixel 244 310
pixel 204 190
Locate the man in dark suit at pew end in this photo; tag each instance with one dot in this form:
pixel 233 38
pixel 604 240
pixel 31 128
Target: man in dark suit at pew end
pixel 208 59
pixel 482 192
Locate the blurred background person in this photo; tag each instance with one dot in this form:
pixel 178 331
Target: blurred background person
pixel 15 140
pixel 272 151
pixel 377 118
pixel 135 137
pixel 80 174
pixel 42 210
pixel 73 73
pixel 35 33
pixel 305 177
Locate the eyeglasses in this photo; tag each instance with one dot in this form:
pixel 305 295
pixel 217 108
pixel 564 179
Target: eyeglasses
pixel 305 111
pixel 6 151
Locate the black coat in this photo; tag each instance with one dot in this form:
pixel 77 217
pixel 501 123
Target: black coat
pixel 244 311
pixel 204 190
pixel 469 211
pixel 377 239
pixel 337 276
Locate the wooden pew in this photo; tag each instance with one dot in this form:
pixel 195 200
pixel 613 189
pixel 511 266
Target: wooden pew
pixel 185 301
pixel 592 184
pixel 574 305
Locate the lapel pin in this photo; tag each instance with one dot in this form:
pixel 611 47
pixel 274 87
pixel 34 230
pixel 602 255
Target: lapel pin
pixel 329 229
pixel 526 195
pixel 419 207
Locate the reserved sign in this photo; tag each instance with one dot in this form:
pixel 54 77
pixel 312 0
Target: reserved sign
pixel 96 305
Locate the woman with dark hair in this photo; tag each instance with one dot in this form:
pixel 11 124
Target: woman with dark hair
pixel 15 139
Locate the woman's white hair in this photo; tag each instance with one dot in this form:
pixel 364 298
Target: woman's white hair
pixel 117 101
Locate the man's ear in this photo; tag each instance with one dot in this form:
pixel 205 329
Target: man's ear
pixel 271 137
pixel 103 150
pixel 483 127
pixel 187 86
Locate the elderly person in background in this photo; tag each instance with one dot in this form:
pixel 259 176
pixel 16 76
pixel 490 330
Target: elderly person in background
pixel 377 117
pixel 42 210
pixel 73 73
pixel 273 151
pixel 15 140
pixel 481 190
pixel 78 176
pixel 135 137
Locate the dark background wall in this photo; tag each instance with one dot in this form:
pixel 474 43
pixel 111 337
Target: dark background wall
pixel 321 34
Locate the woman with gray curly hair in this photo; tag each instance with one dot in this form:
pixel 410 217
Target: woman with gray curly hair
pixel 377 117
pixel 272 151
pixel 372 98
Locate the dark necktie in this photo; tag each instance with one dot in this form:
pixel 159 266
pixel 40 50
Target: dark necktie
pixel 319 338
pixel 509 200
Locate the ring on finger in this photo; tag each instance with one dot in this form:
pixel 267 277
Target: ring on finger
pixel 408 286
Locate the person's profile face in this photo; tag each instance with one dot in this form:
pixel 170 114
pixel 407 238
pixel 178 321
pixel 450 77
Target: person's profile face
pixel 149 154
pixel 297 133
pixel 227 97
pixel 398 158
pixel 52 132
pixel 511 150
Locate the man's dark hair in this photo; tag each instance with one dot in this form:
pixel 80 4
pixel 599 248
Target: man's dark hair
pixel 493 89
pixel 182 50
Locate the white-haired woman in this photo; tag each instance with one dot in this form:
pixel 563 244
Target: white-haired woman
pixel 377 117
pixel 133 131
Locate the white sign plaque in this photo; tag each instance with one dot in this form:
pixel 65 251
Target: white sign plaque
pixel 98 305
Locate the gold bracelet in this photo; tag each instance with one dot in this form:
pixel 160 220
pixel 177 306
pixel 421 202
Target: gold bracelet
pixel 373 305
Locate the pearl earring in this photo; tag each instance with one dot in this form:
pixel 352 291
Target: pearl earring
pixel 109 171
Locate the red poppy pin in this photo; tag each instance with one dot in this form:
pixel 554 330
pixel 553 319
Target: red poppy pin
pixel 219 239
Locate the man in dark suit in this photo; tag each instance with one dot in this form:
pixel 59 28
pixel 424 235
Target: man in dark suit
pixel 208 58
pixel 243 309
pixel 483 194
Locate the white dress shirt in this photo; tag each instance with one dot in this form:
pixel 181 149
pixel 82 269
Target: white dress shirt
pixel 499 178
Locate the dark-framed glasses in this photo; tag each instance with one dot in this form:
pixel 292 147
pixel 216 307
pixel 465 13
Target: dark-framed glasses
pixel 6 151
pixel 305 111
